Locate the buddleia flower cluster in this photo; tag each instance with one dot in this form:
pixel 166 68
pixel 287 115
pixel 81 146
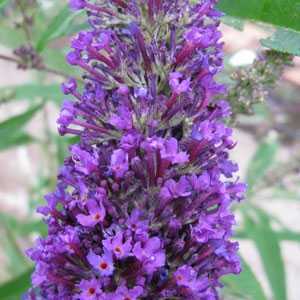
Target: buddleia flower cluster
pixel 141 209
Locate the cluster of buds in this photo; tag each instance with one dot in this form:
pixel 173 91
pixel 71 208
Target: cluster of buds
pixel 142 205
pixel 251 83
pixel 28 58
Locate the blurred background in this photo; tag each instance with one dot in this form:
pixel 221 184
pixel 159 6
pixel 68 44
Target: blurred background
pixel 264 91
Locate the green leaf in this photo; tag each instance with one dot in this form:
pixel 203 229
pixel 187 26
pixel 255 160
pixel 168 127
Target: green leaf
pixel 11 130
pixel 17 262
pixel 14 288
pixel 11 40
pixel 261 162
pixel 24 228
pixel 3 3
pixel 54 26
pixel 13 125
pixel 284 40
pixel 57 27
pixel 268 246
pixel 17 139
pixel 245 284
pixel 284 13
pixel 233 22
pixel 55 59
pixel 31 91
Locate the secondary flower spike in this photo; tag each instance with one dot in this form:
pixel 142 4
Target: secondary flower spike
pixel 141 210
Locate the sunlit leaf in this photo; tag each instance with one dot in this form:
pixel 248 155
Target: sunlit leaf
pixel 284 13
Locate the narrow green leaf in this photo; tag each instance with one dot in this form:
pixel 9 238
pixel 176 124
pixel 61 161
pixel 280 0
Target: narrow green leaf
pixel 23 228
pixel 16 287
pixel 56 59
pixel 14 124
pixel 54 25
pixel 268 246
pixel 284 40
pixel 245 284
pixel 261 162
pixel 11 40
pixel 3 3
pixel 14 140
pixel 17 262
pixel 31 91
pixel 58 25
pixel 287 235
pixel 284 13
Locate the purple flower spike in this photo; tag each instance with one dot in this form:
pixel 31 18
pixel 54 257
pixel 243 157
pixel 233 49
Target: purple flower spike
pixel 142 206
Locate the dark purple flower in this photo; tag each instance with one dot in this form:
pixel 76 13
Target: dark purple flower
pixel 119 163
pixel 150 254
pixel 90 289
pixel 96 214
pixel 77 4
pixel 123 293
pixel 122 120
pixel 178 85
pixel 69 86
pixel 102 264
pixel 84 161
pixel 117 246
pixel 186 276
pixel 170 152
pixel 173 189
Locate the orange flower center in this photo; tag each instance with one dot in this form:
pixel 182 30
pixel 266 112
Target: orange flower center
pixel 92 291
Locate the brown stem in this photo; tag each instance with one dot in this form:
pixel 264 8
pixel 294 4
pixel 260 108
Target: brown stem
pixel 41 68
pixel 8 58
pixel 25 26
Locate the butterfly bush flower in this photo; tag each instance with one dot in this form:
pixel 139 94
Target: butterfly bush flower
pixel 141 209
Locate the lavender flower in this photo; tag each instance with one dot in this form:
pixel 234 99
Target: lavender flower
pixel 142 204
